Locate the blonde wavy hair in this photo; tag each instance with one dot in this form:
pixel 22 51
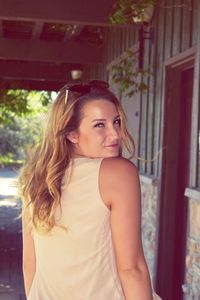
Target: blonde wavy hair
pixel 41 176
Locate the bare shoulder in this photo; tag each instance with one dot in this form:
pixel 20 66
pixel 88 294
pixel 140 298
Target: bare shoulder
pixel 117 167
pixel 118 179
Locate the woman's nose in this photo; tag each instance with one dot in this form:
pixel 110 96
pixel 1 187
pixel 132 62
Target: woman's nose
pixel 113 131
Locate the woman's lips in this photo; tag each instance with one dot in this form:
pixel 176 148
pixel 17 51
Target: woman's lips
pixel 113 146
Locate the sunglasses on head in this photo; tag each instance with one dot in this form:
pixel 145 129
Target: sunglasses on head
pixel 84 88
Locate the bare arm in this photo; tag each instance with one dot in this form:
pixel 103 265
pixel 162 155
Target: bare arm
pixel 120 188
pixel 28 253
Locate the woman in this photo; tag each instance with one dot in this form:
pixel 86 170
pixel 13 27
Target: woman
pixel 81 217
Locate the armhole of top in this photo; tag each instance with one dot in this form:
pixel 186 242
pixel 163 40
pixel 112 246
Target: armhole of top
pixel 99 170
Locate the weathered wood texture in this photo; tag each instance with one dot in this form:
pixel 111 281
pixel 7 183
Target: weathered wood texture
pixel 75 12
pixel 40 51
pixel 175 30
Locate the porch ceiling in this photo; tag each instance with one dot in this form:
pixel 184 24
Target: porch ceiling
pixel 41 41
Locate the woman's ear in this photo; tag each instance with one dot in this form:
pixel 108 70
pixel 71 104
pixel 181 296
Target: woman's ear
pixel 72 137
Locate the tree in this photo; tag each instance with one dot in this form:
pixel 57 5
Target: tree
pixel 21 103
pixel 20 121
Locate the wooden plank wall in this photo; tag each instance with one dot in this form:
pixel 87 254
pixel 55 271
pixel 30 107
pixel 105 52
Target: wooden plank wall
pixel 175 30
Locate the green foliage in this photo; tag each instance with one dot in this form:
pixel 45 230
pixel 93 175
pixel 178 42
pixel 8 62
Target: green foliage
pixel 21 114
pixel 18 136
pixel 121 13
pixel 8 160
pixel 126 75
pixel 125 10
pixel 21 103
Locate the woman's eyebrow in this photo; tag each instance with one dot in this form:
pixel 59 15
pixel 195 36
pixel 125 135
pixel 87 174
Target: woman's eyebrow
pixel 101 119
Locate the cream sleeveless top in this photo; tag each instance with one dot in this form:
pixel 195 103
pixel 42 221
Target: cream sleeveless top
pixel 77 263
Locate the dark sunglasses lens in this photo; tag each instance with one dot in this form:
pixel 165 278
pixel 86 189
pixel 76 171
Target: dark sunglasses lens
pixel 99 83
pixel 80 88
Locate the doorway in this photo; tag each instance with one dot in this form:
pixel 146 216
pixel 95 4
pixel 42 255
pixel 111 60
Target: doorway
pixel 179 77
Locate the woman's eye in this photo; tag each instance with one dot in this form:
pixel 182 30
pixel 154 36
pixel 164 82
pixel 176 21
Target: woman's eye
pixel 117 122
pixel 99 125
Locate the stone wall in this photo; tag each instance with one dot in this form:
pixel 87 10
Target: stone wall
pixel 191 287
pixel 149 189
pixel 150 209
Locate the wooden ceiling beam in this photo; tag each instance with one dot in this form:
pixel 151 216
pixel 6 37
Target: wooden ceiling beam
pixel 35 71
pixel 88 12
pixel 37 50
pixel 32 85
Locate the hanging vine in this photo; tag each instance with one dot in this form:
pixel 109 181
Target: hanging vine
pixel 126 73
pixel 127 76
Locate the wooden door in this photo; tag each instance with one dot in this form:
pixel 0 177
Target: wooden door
pixel 175 178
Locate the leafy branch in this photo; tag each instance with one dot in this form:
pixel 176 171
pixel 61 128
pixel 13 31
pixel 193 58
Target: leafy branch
pixel 21 103
pixel 133 11
pixel 125 73
pixel 126 11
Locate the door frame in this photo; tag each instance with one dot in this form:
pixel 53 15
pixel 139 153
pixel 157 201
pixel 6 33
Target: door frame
pixel 171 68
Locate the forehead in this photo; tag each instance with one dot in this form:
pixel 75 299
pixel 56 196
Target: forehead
pixel 99 107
